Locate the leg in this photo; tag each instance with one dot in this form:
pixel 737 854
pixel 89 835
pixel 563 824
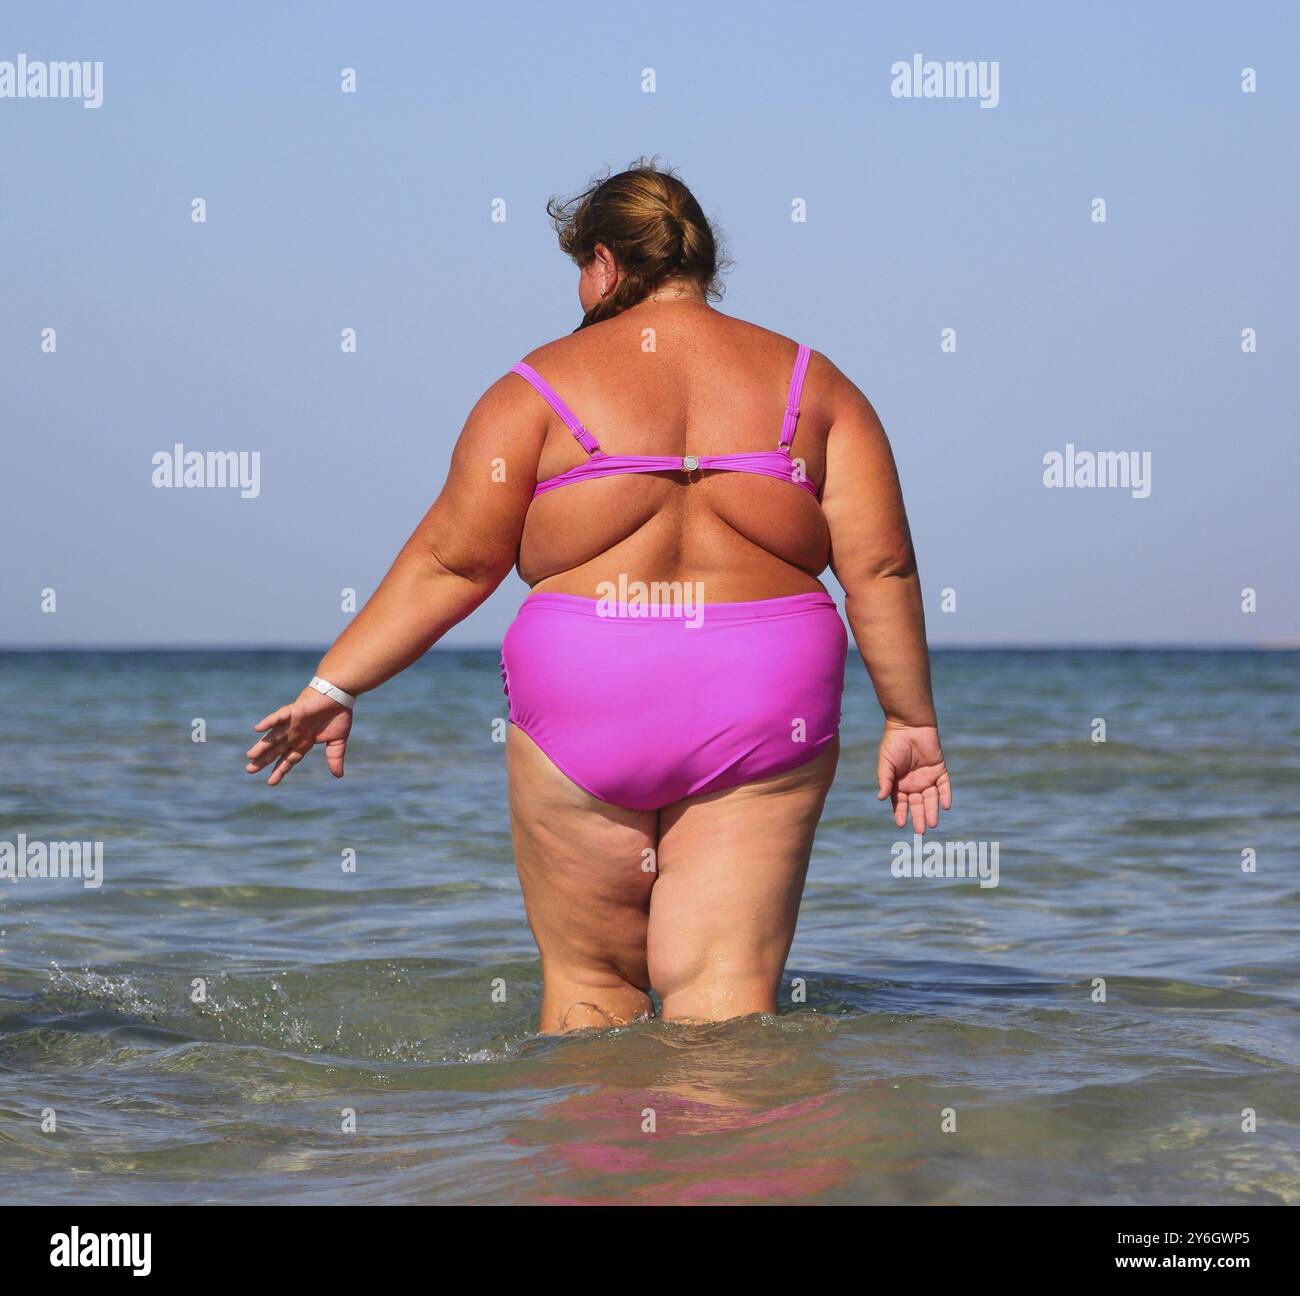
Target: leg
pixel 731 872
pixel 586 869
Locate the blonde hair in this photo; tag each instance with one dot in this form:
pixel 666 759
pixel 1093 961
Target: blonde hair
pixel 653 226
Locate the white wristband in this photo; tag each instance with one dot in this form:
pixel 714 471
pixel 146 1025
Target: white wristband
pixel 328 690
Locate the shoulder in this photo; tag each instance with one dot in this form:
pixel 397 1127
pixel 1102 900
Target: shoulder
pixel 572 348
pixel 834 392
pixel 512 391
pixel 821 375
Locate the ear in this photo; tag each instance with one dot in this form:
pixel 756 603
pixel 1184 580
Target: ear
pixel 606 269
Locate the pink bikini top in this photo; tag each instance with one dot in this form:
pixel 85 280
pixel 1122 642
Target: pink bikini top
pixel 766 463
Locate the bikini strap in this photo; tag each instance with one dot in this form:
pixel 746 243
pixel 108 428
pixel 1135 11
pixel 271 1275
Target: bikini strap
pixel 549 395
pixel 792 402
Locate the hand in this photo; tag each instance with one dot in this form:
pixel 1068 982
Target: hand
pixel 911 773
pixel 292 731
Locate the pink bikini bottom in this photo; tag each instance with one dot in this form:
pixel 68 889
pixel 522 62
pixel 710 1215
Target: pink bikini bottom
pixel 641 710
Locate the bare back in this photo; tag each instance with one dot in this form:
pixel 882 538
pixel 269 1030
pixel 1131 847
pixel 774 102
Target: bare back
pixel 710 385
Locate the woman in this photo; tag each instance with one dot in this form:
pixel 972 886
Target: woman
pixel 674 677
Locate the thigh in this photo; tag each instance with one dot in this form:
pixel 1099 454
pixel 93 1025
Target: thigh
pixel 731 874
pixel 586 869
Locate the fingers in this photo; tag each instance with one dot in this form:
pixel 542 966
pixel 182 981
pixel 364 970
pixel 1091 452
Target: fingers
pixel 269 738
pixel 900 809
pixel 280 717
pixel 286 763
pixel 266 749
pixel 884 779
pixel 334 750
pixel 275 731
pixel 265 741
pixel 264 758
pixel 930 800
pixel 922 807
pixel 945 792
pixel 274 746
pixel 282 767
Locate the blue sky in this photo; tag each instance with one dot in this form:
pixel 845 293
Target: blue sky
pixel 373 211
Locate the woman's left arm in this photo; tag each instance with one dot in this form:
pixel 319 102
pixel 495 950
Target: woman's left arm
pixel 461 551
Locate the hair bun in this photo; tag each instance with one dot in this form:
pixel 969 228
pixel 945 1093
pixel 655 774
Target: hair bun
pixel 651 222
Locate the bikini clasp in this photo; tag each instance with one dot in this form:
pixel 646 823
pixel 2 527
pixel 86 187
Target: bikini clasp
pixel 690 463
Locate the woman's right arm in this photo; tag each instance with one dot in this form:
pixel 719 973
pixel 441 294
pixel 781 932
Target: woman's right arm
pixel 461 551
pixel 872 558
